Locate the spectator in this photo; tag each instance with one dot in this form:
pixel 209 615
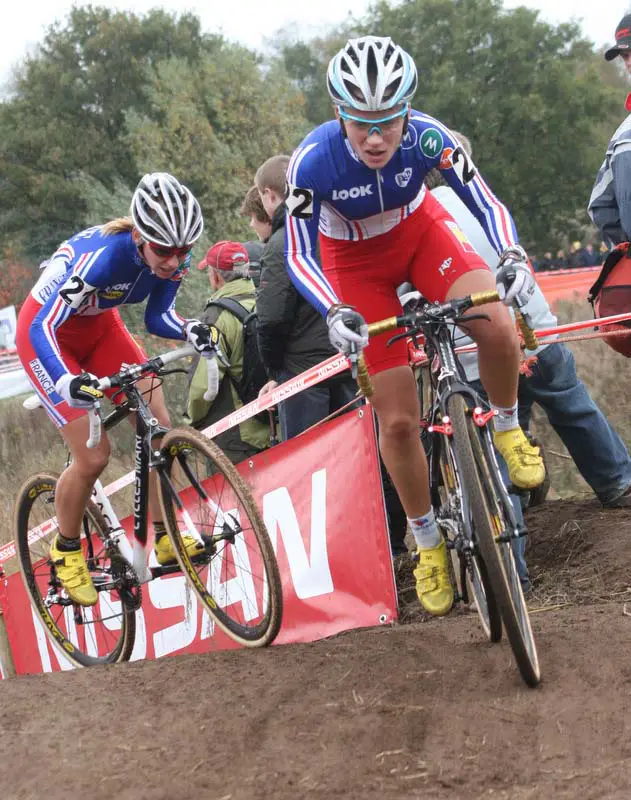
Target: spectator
pixel 293 336
pixel 576 257
pixel 610 201
pixel 252 207
pixel 597 450
pixel 254 250
pixel 546 263
pixel 560 261
pixel 592 258
pixel 227 265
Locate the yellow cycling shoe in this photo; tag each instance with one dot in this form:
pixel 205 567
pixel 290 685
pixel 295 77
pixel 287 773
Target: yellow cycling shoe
pixel 524 462
pixel 73 573
pixel 433 585
pixel 166 554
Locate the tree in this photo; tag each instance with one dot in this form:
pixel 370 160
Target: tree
pixel 305 63
pixel 212 125
pixel 68 109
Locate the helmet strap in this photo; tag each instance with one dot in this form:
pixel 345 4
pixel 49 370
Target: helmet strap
pixel 343 126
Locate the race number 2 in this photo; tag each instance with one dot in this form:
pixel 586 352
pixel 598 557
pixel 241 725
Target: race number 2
pixel 463 166
pixel 75 291
pixel 299 202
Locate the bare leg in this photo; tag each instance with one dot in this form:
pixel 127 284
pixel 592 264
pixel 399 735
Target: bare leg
pixel 74 487
pixel 497 340
pixel 397 406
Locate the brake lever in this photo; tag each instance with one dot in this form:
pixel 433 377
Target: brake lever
pixel 468 317
pixel 405 335
pixel 353 359
pixel 163 371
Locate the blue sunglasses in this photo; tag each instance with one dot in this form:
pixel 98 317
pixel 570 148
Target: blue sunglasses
pixel 376 122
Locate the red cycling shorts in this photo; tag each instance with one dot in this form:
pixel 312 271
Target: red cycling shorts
pixel 99 344
pixel 427 248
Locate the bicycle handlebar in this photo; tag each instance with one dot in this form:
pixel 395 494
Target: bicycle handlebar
pixel 407 320
pixel 133 372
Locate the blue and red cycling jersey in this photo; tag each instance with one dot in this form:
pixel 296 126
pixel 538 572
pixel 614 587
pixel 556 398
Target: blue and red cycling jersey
pixel 91 273
pixel 332 192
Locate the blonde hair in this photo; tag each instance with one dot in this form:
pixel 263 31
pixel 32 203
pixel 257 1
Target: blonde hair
pixel 118 225
pixel 272 174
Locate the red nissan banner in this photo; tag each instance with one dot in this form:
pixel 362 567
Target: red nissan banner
pixel 321 499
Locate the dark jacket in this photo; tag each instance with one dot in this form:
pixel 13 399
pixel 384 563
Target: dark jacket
pixel 292 334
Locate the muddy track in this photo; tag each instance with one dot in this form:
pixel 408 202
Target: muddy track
pixel 427 709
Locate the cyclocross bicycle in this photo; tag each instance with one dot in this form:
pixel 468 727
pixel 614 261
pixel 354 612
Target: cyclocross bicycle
pixel 235 577
pixel 469 497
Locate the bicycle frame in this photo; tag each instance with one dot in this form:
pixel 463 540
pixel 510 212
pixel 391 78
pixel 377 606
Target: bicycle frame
pixel 147 427
pixel 446 381
pixel 146 459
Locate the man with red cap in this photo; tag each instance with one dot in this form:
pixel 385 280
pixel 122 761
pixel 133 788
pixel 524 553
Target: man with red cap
pixel 610 201
pixel 233 294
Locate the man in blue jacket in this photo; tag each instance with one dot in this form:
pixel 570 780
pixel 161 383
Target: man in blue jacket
pixel 610 201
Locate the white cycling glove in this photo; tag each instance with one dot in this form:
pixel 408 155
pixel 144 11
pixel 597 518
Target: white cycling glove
pixel 79 391
pixel 347 327
pixel 514 280
pixel 204 338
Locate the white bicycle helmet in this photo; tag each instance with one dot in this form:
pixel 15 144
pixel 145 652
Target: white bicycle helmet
pixel 371 74
pixel 165 211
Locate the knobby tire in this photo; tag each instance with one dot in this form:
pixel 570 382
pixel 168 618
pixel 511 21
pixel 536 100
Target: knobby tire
pixel 180 447
pixel 497 556
pixel 40 488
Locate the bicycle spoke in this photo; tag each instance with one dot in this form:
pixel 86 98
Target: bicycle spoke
pixel 103 633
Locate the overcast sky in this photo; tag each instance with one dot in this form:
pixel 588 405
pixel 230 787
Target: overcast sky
pixel 249 21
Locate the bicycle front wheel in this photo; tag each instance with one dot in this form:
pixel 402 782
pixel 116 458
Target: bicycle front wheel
pixel 236 577
pixel 85 636
pixel 492 536
pixel 449 502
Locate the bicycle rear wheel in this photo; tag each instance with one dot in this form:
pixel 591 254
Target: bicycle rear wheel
pixel 449 502
pixel 86 636
pixel 491 531
pixel 236 578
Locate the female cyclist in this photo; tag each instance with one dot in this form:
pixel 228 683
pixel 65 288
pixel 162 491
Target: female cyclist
pixel 69 331
pixel 358 184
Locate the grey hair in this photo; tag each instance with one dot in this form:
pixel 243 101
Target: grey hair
pixel 240 271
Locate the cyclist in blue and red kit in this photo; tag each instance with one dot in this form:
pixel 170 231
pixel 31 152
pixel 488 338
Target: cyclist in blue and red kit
pixel 69 332
pixel 357 184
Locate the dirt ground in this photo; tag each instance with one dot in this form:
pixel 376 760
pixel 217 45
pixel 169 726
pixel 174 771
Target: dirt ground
pixel 426 709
